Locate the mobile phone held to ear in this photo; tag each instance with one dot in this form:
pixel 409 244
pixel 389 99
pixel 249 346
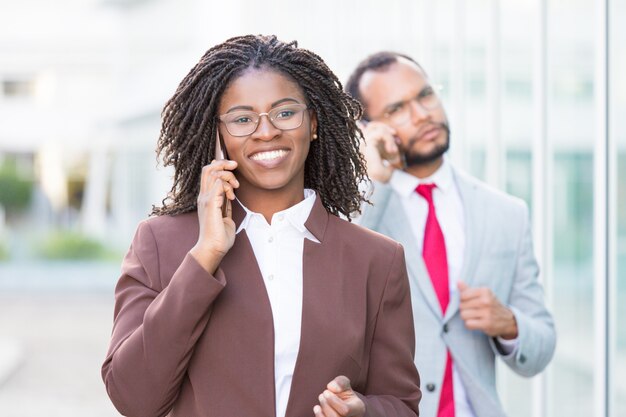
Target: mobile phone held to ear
pixel 398 159
pixel 220 153
pixel 220 149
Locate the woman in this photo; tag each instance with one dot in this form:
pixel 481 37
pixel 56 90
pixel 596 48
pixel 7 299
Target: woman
pixel 279 308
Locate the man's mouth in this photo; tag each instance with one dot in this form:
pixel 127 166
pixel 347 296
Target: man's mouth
pixel 430 133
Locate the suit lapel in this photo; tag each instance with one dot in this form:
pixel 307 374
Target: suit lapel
pixel 396 222
pixel 474 227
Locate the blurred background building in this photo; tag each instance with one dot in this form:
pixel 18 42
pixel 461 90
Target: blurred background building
pixel 535 90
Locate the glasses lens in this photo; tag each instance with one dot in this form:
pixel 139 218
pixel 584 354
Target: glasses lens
pixel 241 123
pixel 287 117
pixel 400 114
pixel 430 100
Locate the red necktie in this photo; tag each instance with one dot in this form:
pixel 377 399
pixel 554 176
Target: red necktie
pixel 436 260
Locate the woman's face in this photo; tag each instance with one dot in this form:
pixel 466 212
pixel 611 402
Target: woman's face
pixel 268 158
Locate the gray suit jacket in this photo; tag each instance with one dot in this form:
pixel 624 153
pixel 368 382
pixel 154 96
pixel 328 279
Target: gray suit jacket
pixel 498 255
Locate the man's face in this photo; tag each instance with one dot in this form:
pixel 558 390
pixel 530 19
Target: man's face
pixel 401 96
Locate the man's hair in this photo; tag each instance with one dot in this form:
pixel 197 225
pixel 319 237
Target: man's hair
pixel 379 61
pixel 333 168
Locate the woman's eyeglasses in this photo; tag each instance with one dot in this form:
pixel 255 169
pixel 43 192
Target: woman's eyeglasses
pixel 245 122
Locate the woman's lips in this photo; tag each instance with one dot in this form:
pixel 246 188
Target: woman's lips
pixel 270 158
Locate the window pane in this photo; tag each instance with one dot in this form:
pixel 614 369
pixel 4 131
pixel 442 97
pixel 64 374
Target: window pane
pixel 617 109
pixel 478 26
pixel 571 59
pixel 517 126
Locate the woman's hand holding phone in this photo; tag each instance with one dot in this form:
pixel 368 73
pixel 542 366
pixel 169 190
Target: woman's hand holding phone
pixel 217 231
pixel 380 149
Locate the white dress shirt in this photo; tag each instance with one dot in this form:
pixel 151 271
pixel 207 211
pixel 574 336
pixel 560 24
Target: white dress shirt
pixel 278 248
pixel 451 218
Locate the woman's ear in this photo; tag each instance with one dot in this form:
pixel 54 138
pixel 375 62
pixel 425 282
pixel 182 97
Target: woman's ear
pixel 313 126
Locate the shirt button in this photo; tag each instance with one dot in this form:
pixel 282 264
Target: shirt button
pixel 270 239
pixel 445 328
pixel 270 277
pixel 430 387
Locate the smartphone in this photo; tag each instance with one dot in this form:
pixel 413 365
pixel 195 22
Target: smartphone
pixel 397 160
pixel 220 153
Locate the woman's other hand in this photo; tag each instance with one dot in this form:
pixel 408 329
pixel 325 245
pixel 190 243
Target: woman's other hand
pixel 339 400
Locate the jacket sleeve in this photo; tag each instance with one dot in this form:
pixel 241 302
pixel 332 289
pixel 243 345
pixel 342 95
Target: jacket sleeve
pixel 391 367
pixel 155 329
pixel 536 333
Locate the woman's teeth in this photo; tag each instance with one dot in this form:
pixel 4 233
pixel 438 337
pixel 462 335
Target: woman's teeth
pixel 267 156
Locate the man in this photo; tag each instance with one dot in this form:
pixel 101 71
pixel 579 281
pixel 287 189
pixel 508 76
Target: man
pixel 474 286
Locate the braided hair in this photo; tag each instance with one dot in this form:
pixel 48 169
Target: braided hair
pixel 333 168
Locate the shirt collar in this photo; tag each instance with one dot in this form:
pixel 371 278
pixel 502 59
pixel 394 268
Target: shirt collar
pixel 405 184
pixel 296 215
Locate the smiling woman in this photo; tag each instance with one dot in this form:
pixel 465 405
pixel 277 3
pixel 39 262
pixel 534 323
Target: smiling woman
pixel 275 306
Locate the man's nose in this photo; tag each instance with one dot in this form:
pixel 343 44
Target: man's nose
pixel 418 112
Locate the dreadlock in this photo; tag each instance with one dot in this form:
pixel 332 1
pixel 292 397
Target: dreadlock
pixel 333 168
pixel 379 61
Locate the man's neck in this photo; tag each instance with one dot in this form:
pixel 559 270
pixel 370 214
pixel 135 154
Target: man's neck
pixel 425 170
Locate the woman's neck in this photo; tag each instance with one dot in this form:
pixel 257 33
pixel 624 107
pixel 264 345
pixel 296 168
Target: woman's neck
pixel 268 202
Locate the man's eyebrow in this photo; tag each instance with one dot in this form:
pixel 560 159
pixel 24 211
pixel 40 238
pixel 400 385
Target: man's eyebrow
pixel 394 104
pixel 425 89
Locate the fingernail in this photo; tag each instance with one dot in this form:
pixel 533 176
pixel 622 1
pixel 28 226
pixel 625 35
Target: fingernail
pixel 335 386
pixel 327 394
pixel 321 398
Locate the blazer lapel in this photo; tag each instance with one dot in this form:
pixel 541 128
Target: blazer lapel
pixel 474 227
pixel 253 320
pixel 399 229
pixel 320 285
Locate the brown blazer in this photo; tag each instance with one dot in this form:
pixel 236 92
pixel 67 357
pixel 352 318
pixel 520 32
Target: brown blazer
pixel 189 344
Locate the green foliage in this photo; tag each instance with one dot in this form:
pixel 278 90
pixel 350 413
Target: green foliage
pixel 71 245
pixel 15 192
pixel 4 251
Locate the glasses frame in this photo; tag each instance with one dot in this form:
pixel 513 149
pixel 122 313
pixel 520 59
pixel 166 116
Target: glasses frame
pixel 302 107
pixel 436 90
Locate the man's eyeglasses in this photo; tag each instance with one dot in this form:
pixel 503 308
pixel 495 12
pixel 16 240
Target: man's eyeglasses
pixel 245 122
pixel 400 112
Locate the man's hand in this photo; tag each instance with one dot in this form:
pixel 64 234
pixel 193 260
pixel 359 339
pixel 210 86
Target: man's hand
pixel 338 400
pixel 380 150
pixel 481 310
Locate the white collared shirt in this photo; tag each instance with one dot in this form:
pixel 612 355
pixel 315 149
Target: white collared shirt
pixel 451 218
pixel 278 248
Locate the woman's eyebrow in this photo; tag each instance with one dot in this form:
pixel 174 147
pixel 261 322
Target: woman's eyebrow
pixel 283 100
pixel 274 104
pixel 239 108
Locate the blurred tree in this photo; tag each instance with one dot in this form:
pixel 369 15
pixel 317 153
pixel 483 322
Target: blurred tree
pixel 15 191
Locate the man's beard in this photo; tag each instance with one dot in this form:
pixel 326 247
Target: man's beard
pixel 413 158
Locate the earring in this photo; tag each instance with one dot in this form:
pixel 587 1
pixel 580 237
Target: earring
pixel 314 135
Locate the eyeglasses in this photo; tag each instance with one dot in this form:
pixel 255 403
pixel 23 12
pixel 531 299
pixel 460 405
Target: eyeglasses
pixel 400 112
pixel 244 123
